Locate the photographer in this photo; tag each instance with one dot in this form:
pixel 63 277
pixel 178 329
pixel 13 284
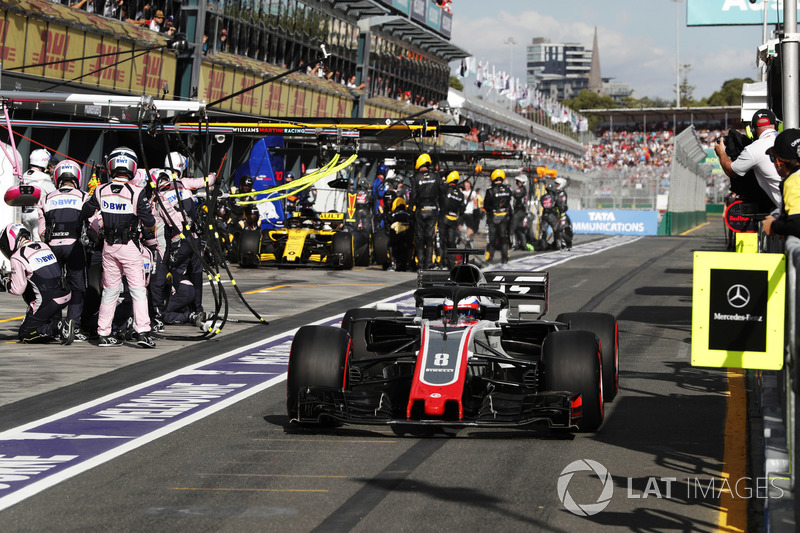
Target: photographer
pixel 752 174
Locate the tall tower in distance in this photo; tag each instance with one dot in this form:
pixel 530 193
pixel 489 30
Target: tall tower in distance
pixel 595 79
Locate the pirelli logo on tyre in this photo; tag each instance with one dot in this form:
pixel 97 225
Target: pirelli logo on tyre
pixel 738 310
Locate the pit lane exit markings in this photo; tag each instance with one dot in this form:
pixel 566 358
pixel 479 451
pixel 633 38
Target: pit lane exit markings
pixel 41 454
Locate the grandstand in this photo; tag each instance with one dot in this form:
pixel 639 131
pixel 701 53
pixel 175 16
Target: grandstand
pixel 387 60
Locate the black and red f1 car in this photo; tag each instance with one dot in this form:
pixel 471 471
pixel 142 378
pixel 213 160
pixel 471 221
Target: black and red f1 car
pixel 465 358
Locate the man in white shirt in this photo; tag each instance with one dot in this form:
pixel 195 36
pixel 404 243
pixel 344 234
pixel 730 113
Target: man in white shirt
pixel 753 157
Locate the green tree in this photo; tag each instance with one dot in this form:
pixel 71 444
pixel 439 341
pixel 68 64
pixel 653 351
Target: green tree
pixel 645 102
pixel 730 94
pixel 456 84
pixel 686 90
pixel 589 100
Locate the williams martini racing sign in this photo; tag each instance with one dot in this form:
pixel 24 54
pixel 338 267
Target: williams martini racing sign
pixel 614 222
pixel 738 310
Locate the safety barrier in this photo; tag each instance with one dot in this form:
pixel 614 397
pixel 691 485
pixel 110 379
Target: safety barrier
pixel 687 185
pixel 776 448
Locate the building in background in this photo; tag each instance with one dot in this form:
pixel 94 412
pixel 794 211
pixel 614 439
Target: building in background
pixel 558 70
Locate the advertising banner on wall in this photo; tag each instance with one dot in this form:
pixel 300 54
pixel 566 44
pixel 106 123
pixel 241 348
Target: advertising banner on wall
pixel 614 222
pixel 419 10
pixel 732 12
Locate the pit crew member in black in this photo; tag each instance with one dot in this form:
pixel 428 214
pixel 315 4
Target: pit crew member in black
pixel 245 187
pixel 785 154
pixel 424 202
pixel 36 276
pixel 497 205
pixel 520 204
pixel 451 202
pixel 60 227
pixel 123 206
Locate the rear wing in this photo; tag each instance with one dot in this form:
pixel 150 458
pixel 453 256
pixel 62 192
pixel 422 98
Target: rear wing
pixel 522 287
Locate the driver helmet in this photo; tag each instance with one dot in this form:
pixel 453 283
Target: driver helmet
pixel 289 177
pixel 67 171
pixel 11 237
pixel 466 311
pixel 40 158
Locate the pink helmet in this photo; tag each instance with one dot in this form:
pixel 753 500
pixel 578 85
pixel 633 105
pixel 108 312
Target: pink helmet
pixel 68 170
pixel 9 239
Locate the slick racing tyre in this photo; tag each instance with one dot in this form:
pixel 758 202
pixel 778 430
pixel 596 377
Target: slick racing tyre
pixel 343 244
pixel 355 323
pixel 316 360
pixel 571 361
pixel 607 330
pixel 362 248
pixel 249 248
pixel 380 248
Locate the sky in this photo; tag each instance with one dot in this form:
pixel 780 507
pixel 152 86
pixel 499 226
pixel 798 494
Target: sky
pixel 636 39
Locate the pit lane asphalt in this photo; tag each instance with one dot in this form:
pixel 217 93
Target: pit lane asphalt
pixel 237 471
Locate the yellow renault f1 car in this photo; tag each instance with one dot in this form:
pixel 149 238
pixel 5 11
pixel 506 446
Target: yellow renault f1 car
pixel 307 240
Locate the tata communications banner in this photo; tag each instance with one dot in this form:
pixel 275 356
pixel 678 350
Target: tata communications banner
pixel 611 222
pixel 731 12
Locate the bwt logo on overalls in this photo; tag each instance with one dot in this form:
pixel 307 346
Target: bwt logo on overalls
pixel 114 207
pixel 45 258
pixel 64 202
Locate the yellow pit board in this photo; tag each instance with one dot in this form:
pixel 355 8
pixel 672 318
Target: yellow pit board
pixel 738 310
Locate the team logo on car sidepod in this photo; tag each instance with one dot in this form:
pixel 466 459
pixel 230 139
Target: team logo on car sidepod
pixel 586 509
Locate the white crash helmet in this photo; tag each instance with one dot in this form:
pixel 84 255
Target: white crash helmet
pixel 122 166
pixel 40 158
pixel 9 239
pixel 177 162
pixel 162 176
pixel 67 170
pixel 468 308
pixel 124 150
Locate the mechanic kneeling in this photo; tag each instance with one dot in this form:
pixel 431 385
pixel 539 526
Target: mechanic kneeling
pixel 36 276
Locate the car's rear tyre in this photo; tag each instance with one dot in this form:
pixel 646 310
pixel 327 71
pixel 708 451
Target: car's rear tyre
pixel 606 328
pixel 355 324
pixel 249 248
pixel 362 248
pixel 317 359
pixel 343 244
pixel 571 361
pixel 380 248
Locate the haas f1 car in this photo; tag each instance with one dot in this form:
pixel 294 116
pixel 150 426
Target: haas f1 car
pixel 465 358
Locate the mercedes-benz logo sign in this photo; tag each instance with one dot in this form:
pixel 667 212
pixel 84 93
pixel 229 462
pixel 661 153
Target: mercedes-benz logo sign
pixel 738 296
pixel 587 509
